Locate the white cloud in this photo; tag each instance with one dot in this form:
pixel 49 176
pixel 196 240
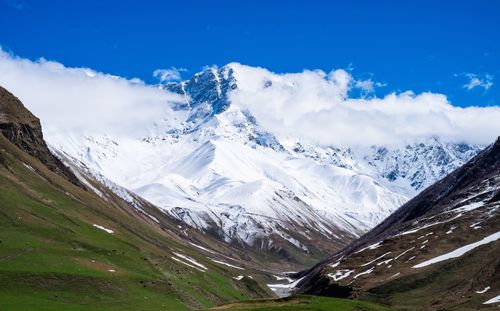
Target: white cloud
pixel 474 80
pixel 81 99
pixel 171 74
pixel 313 105
pixel 310 105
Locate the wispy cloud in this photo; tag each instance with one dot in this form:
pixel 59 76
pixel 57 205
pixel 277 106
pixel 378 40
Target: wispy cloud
pixel 484 81
pixel 367 86
pixel 170 74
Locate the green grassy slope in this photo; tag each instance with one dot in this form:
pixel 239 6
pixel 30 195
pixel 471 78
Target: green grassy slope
pixel 303 303
pixel 52 257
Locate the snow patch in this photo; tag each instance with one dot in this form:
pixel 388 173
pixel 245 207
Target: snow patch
pixel 411 258
pixel 340 274
pixel 365 272
pixel 492 300
pixel 487 288
pixel 202 248
pixel 104 229
pixel 374 260
pixel 187 264
pixel 226 264
pixel 460 251
pixel 191 260
pixel 385 262
pixel 469 207
pixel 373 246
pixel 394 275
pixel 406 251
pixel 451 229
pixel 411 231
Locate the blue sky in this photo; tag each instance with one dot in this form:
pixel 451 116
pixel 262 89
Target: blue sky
pixel 449 47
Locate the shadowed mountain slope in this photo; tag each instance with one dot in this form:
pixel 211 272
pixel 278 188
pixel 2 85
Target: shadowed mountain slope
pixel 439 250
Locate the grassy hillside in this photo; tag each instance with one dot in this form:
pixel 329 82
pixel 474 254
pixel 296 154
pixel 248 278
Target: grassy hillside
pixel 53 257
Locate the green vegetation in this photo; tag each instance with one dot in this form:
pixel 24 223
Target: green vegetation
pixel 53 258
pixel 303 303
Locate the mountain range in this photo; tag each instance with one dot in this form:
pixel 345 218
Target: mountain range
pixel 212 165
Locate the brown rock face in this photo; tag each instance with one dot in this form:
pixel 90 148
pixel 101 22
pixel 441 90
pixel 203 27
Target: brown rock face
pixel 23 129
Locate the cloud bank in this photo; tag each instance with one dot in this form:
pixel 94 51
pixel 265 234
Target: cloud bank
pixel 311 105
pixel 315 106
pixel 81 99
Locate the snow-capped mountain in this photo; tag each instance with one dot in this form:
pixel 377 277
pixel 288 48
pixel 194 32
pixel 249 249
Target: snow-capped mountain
pixel 212 164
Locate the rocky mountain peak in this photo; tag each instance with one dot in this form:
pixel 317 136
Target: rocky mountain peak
pixel 211 86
